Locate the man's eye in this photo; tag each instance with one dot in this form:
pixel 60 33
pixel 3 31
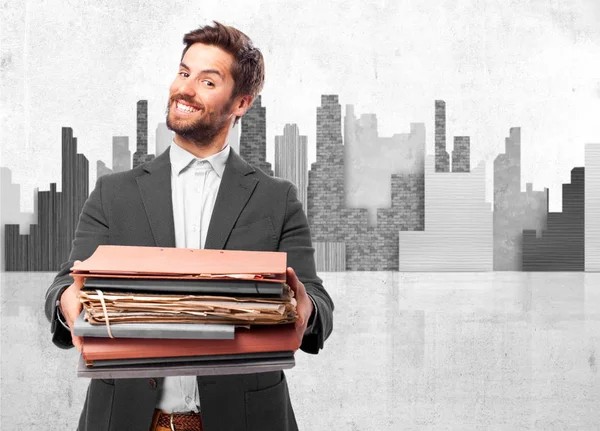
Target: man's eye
pixel 209 83
pixel 184 74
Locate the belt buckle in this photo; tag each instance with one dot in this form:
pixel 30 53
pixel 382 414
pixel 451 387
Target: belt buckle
pixel 171 423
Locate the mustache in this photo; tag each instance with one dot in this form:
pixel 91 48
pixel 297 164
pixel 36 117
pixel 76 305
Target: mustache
pixel 187 99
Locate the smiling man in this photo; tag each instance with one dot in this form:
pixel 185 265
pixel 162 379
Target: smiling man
pixel 198 194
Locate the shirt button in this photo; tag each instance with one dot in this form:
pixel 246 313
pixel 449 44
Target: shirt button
pixel 188 400
pixel 195 228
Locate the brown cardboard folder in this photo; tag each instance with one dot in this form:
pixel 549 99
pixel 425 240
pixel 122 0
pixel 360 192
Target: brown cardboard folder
pixel 182 263
pixel 257 339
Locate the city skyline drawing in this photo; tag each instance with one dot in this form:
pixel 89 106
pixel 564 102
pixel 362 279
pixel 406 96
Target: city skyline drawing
pixel 436 217
pixel 394 135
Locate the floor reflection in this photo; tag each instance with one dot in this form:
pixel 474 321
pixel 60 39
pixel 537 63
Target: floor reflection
pixel 456 351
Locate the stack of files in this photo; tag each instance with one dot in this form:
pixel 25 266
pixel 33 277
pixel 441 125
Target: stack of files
pixel 150 311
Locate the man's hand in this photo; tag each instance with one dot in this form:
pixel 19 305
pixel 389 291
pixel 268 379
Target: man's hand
pixel 304 305
pixel 70 305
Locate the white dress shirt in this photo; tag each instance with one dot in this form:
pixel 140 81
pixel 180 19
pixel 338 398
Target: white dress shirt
pixel 194 183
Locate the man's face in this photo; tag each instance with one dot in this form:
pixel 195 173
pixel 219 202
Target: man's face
pixel 200 103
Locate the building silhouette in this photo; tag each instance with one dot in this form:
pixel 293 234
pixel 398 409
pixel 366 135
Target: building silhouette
pixel 561 246
pixel 253 139
pixel 291 159
pixel 592 207
pixel 334 227
pixel 458 232
pixel 164 138
pixel 233 138
pixel 461 154
pixel 514 210
pixel 141 155
pixel 121 154
pixel 10 210
pixel 442 159
pixel 370 161
pixel 48 243
pixel 102 169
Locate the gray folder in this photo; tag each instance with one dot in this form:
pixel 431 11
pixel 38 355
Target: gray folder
pixel 227 287
pixel 192 359
pixel 195 331
pixel 203 368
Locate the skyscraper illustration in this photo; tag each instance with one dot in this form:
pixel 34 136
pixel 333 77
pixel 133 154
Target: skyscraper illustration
pixel 102 169
pixel 49 241
pixel 233 137
pixel 458 224
pixel 164 138
pixel 442 159
pixel 367 248
pixel 514 210
pixel 561 246
pixel 461 155
pixel 141 155
pixel 10 210
pixel 253 140
pixel 121 154
pixel 370 161
pixel 592 207
pixel 291 159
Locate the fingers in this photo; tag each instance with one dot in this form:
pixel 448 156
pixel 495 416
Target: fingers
pixel 70 304
pixel 77 341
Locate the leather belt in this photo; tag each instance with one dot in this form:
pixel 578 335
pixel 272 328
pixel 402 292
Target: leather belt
pixel 179 421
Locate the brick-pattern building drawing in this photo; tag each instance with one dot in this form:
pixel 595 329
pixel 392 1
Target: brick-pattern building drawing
pixel 561 246
pixel 368 248
pixel 253 138
pixel 442 159
pixel 141 155
pixel 458 224
pixel 291 159
pixel 592 207
pixel 371 160
pixel 514 210
pixel 461 154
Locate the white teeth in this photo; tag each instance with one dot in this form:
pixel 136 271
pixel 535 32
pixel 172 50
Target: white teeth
pixel 185 108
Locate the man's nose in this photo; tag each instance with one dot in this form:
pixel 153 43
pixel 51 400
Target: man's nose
pixel 187 88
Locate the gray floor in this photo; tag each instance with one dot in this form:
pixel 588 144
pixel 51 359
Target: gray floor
pixel 440 351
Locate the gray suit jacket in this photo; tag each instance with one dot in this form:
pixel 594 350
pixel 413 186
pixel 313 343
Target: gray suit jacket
pixel 253 211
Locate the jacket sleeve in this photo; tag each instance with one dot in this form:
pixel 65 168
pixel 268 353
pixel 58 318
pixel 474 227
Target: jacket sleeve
pixel 92 231
pixel 295 240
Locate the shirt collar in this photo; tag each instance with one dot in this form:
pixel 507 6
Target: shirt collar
pixel 181 159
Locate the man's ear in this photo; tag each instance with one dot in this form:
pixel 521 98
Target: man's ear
pixel 242 105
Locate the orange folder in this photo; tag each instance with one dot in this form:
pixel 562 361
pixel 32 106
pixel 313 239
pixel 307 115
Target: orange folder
pixel 254 340
pixel 182 263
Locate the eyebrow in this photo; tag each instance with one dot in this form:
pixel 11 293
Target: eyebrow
pixel 205 71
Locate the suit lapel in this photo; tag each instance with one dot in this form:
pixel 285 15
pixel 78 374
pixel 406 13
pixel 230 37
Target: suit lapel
pixel 155 190
pixel 234 192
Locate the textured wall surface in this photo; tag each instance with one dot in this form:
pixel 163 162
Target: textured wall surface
pixel 486 351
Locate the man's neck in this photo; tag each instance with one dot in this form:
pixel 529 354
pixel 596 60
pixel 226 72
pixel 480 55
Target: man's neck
pixel 203 151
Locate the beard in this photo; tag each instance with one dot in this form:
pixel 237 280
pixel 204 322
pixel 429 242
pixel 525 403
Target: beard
pixel 201 131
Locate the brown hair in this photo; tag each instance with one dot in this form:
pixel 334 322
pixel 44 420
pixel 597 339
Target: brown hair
pixel 248 68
